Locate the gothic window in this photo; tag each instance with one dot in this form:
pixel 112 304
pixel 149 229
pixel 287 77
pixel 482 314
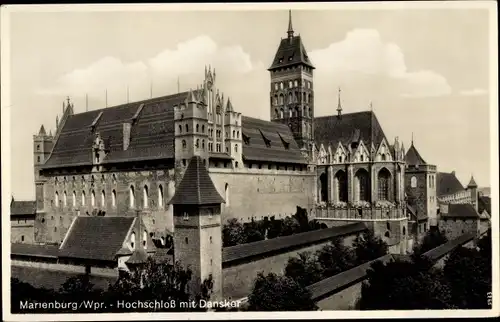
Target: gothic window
pixel 276 86
pixel 57 199
pixel 145 196
pixel 113 198
pixel 282 99
pixel 413 182
pixel 236 148
pixel 290 98
pixel 83 198
pixel 38 147
pixel 131 196
pixel 290 113
pixel 323 178
pixel 65 200
pixel 183 144
pixel 237 134
pixel 383 184
pixel 362 158
pixel 281 113
pixel 310 114
pixel 74 198
pixel 383 156
pixel 203 144
pixel 160 196
pixel 234 134
pixel 103 199
pixel 197 128
pixel 304 111
pixel 281 85
pixel 290 84
pixel 187 128
pixel 340 159
pixel 92 198
pixel 296 83
pixel 197 143
pixel 38 159
pixel 296 112
pixel 341 183
pixel 363 185
pixel 226 194
pixel 203 129
pixel 132 240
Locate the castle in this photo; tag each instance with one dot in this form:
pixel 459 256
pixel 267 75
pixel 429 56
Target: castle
pixel 341 168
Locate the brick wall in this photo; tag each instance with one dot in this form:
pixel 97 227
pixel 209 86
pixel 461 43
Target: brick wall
pixel 344 300
pixel 255 193
pixel 456 227
pixel 22 230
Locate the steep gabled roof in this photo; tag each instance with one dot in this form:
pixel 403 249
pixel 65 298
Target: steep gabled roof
pixel 412 157
pixel 447 184
pixel 151 136
pixel 22 208
pixel 96 238
pixel 255 134
pixel 196 187
pixel 291 51
pixel 463 210
pixel 330 130
pixel 472 183
pixel 42 131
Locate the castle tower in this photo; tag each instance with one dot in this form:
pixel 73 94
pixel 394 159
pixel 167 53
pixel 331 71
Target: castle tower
pixel 197 226
pixel 292 90
pixel 191 129
pixel 472 188
pixel 420 186
pixel 233 135
pixel 42 147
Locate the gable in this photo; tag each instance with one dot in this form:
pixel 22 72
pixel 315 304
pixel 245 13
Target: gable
pixel 362 154
pixel 383 151
pixel 447 184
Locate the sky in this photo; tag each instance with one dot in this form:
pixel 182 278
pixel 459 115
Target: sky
pixel 425 71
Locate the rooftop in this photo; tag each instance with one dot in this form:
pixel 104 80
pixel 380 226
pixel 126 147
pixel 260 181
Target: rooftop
pixel 447 184
pixel 22 208
pixel 464 210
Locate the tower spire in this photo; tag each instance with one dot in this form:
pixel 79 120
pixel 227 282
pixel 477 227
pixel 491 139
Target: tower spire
pixel 290 27
pixel 411 138
pixel 339 105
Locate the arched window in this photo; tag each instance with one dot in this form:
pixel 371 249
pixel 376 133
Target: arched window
pixel 309 114
pixel 383 156
pixel 362 185
pixel 92 198
pixel 276 114
pixel 103 199
pixel 74 198
pixel 132 240
pixel 197 128
pixel 145 196
pixel 281 113
pixel 404 231
pixel 203 129
pixel 65 199
pixel 203 144
pixel 341 185
pixel 413 182
pixel 296 83
pixel 237 134
pixel 236 148
pixel 275 99
pixel 197 143
pixel 184 144
pixel 282 99
pixel 180 128
pixel 323 179
pixel 131 196
pixel 304 112
pixel 226 192
pixel 145 239
pixel 290 84
pixel 281 85
pixel 290 112
pixel 83 198
pixel 57 199
pixel 113 198
pixel 296 112
pixel 187 128
pixel 290 98
pixel 383 184
pixel 160 196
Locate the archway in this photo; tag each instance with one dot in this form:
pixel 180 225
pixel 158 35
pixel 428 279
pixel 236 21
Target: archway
pixel 323 178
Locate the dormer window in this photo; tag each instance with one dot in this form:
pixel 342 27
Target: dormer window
pixel 281 60
pixel 290 58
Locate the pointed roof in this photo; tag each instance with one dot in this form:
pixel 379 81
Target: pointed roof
pixel 196 187
pixel 229 106
pixel 291 51
pixel 413 157
pixel 42 131
pixel 139 256
pixel 191 97
pixel 472 183
pixel 290 27
pixel 447 184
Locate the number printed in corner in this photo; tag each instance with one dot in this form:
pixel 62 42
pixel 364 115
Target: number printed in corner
pixel 490 298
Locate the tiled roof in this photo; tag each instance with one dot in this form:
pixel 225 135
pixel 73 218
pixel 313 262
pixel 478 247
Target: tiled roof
pixel 258 131
pixel 245 251
pixel 96 238
pixel 484 203
pixel 291 53
pixel 463 210
pixel 151 136
pixel 330 130
pixel 196 187
pixel 19 249
pixel 440 251
pixel 22 208
pixel 413 157
pixel 447 184
pixel 342 280
pixel 139 256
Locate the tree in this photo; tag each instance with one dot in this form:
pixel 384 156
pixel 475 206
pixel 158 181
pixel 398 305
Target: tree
pixel 304 269
pixel 253 232
pixel 368 247
pixel 469 273
pixel 302 219
pixel 290 226
pixel 279 293
pixel 275 228
pixel 402 285
pixel 232 233
pixel 484 245
pixel 21 291
pixel 432 239
pixel 335 258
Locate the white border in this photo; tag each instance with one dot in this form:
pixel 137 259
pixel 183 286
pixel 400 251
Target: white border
pixel 6 146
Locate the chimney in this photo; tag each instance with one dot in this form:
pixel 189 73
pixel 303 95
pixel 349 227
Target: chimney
pixel 443 208
pixel 126 135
